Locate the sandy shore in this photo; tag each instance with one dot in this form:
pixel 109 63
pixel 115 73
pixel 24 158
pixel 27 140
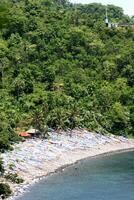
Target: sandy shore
pixel 57 153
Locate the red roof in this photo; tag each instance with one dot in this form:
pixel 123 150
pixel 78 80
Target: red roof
pixel 24 134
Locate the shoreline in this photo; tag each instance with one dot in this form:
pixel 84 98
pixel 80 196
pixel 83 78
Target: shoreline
pixel 64 159
pixel 65 166
pixel 109 153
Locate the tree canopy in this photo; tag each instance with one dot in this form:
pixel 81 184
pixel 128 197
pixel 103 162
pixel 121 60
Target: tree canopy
pixel 60 67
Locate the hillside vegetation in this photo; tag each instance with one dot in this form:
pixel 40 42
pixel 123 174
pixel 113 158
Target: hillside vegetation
pixel 60 67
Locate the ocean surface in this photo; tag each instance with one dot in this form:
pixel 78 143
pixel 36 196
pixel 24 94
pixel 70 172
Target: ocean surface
pixel 101 178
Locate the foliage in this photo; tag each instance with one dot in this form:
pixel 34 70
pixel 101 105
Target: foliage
pixel 1 167
pixel 13 178
pixel 4 190
pixel 60 67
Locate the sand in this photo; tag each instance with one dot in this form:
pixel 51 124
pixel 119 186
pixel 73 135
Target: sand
pixel 64 157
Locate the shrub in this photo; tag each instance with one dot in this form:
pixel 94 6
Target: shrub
pixel 14 178
pixel 5 190
pixel 4 144
pixel 1 167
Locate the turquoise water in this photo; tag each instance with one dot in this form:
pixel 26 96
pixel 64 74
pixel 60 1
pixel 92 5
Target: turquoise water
pixel 102 178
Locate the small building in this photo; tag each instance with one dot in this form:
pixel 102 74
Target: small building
pixel 33 132
pixel 116 25
pixel 131 26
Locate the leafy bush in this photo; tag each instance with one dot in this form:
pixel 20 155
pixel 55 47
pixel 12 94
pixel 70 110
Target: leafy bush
pixel 4 143
pixel 1 167
pixel 5 190
pixel 14 178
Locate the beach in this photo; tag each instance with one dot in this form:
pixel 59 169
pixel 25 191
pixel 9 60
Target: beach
pixel 34 159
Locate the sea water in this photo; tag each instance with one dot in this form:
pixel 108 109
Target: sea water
pixel 101 178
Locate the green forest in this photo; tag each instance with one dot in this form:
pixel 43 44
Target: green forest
pixel 61 68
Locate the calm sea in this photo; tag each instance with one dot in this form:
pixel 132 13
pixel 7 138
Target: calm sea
pixel 102 178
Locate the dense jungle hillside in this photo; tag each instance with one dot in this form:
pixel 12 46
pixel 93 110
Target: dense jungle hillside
pixel 61 67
